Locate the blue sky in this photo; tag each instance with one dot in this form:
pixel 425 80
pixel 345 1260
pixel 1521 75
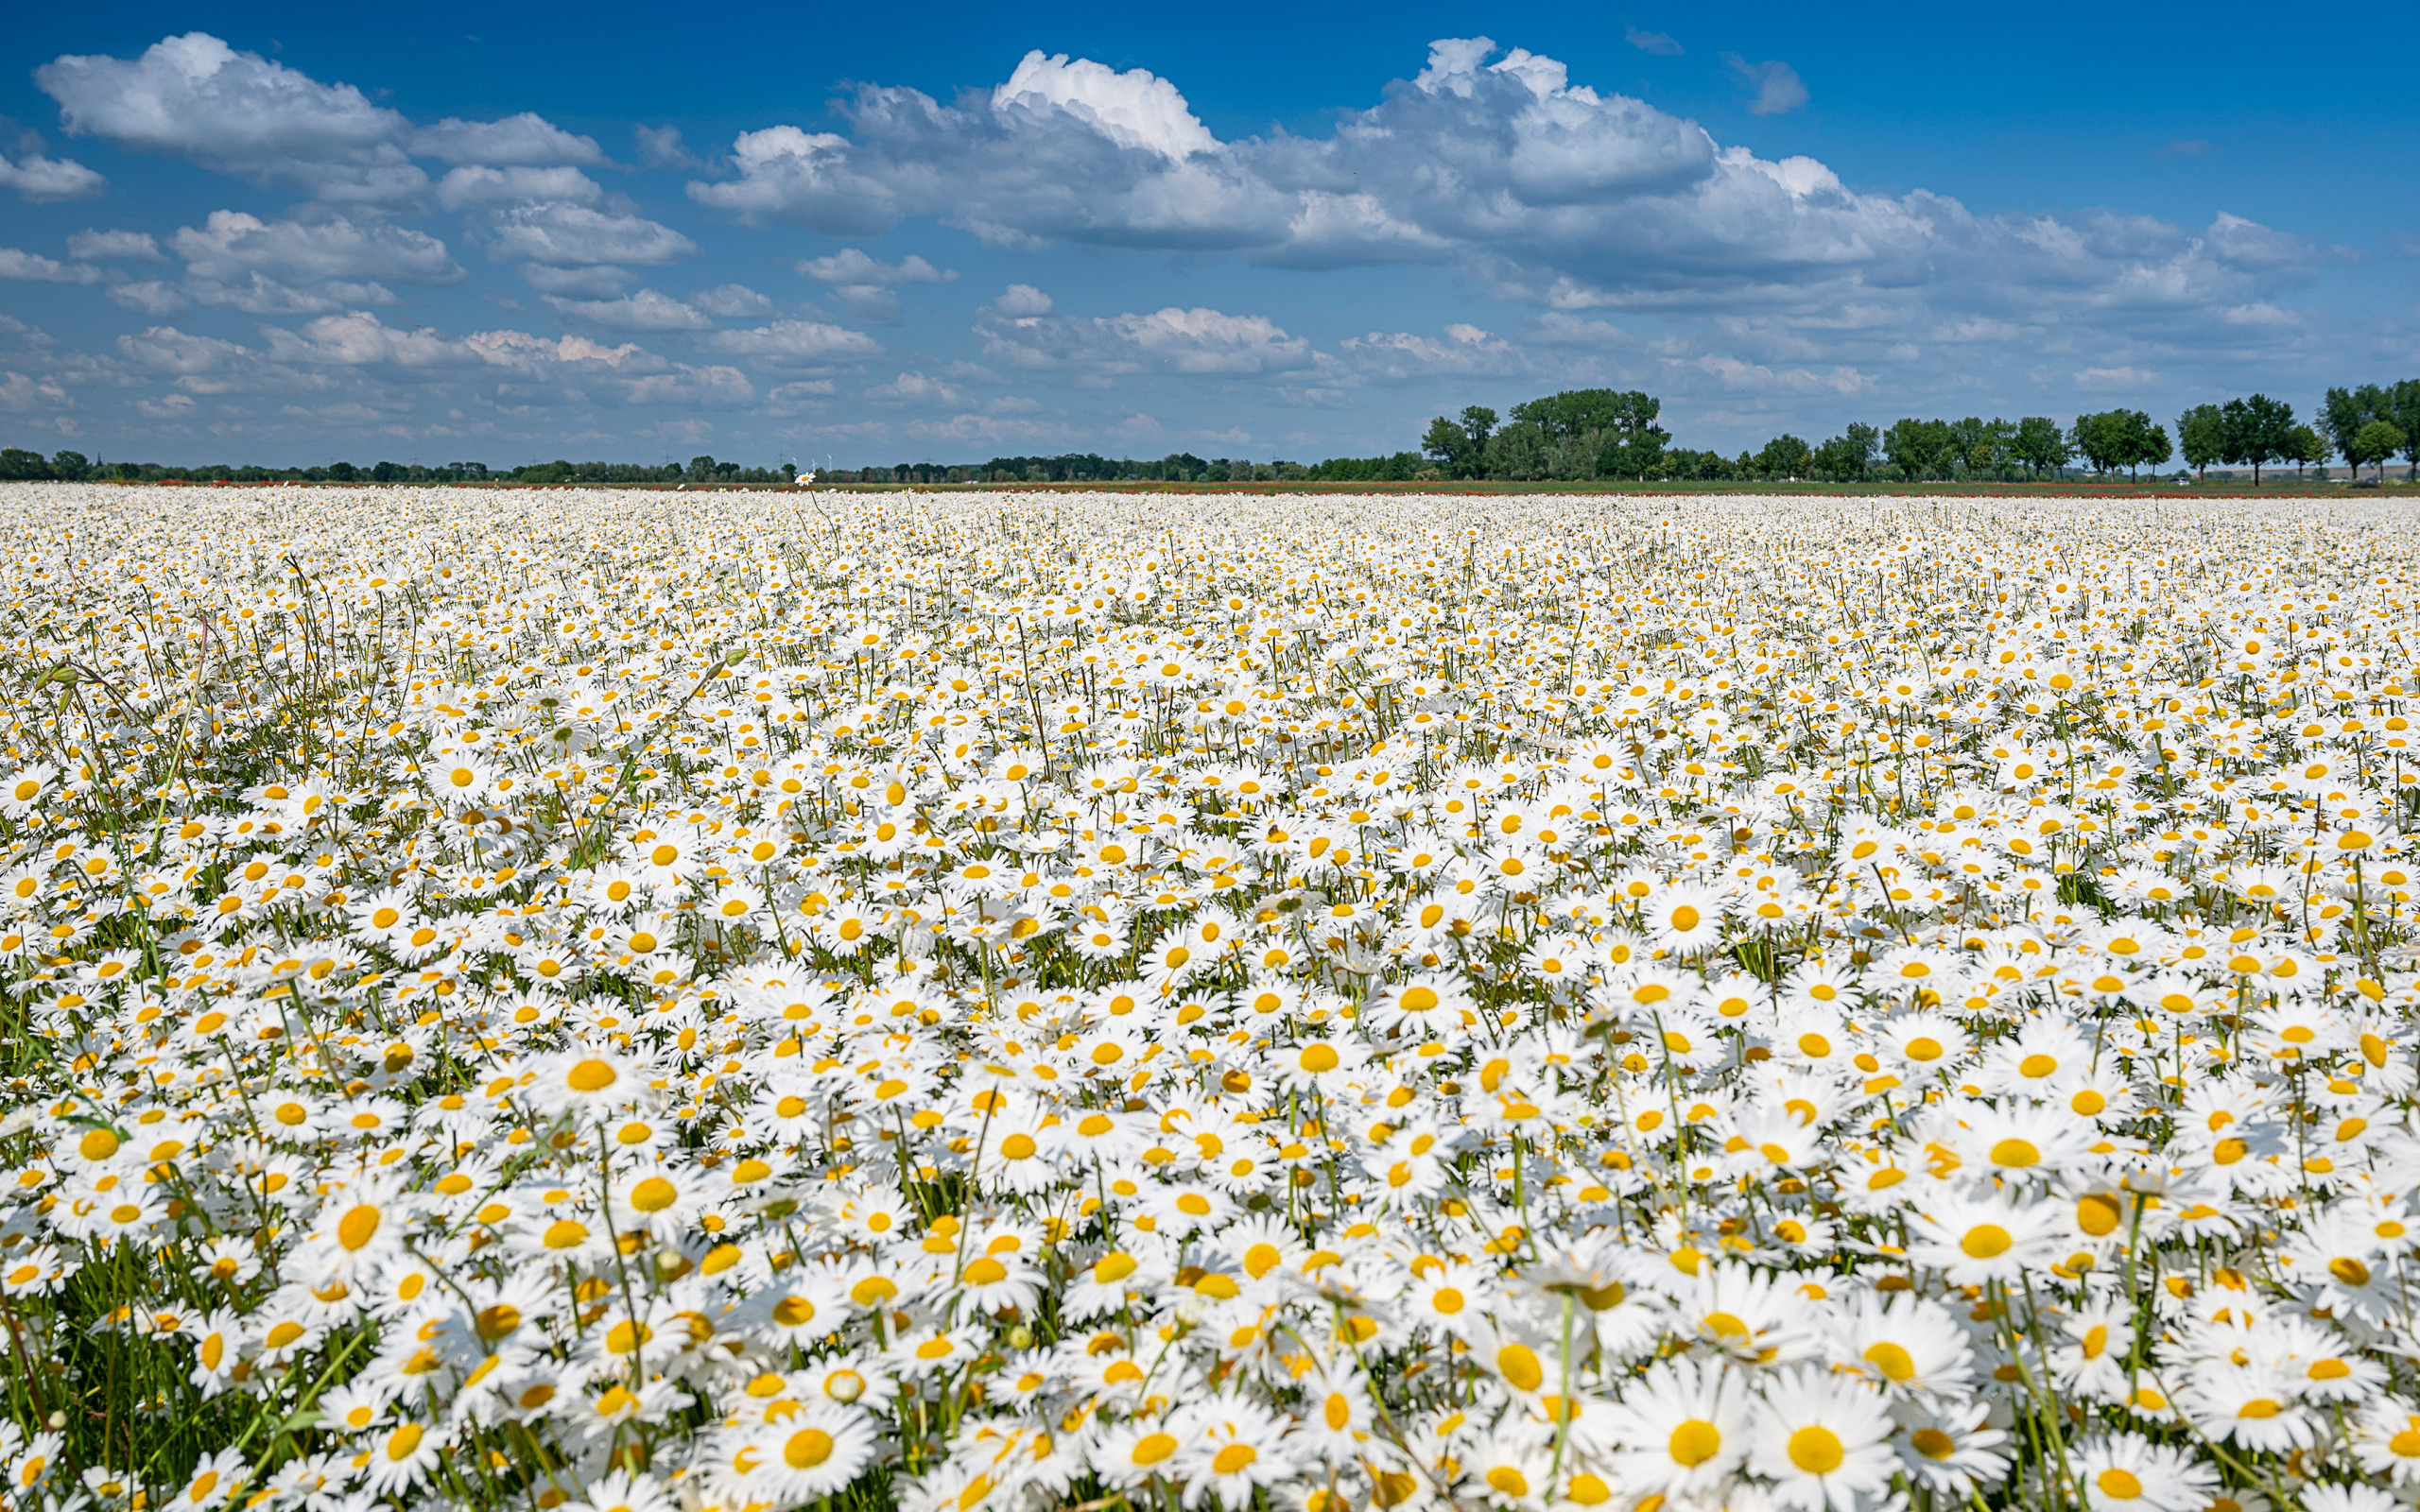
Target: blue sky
pixel 292 233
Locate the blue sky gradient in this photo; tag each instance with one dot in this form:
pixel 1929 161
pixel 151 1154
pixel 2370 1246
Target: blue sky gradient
pixel 288 234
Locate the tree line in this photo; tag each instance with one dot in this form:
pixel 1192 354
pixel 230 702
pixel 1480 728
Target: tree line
pixel 1605 433
pixel 1581 434
pixel 1177 467
pixel 19 464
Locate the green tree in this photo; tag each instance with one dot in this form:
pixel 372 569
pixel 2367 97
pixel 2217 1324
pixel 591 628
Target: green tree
pixel 2374 443
pixel 2040 444
pixel 71 466
pixel 2403 413
pixel 1980 446
pixel 2304 447
pixel 2102 440
pixel 1784 456
pixel 17 464
pixel 2146 441
pixel 1918 448
pixel 1460 447
pixel 2202 436
pixel 2256 431
pixel 1849 456
pixel 1521 450
pixel 2344 411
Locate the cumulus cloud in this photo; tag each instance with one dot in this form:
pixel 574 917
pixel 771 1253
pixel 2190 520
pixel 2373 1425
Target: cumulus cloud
pixel 195 97
pixel 1195 341
pixel 149 296
pixel 478 184
pixel 649 309
pixel 1777 86
pixel 568 235
pixel 811 343
pixel 865 287
pixel 1022 299
pixel 232 242
pixel 733 301
pixel 38 177
pixel 1491 161
pixel 1135 108
pixel 35 268
pixel 853 266
pixel 238 261
pixel 524 141
pixel 914 389
pixel 1402 355
pixel 127 246
pixel 355 353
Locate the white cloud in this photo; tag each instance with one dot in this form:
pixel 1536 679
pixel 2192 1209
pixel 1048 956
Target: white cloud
pixel 194 96
pixel 238 261
pixel 810 342
pixel 1022 299
pixel 20 394
pixel 359 340
pixel 566 236
pixel 731 300
pixel 38 177
pixel 914 389
pixel 865 287
pixel 1658 42
pixel 33 268
pixel 647 310
pixel 528 141
pixel 476 184
pixel 1493 163
pixel 1401 355
pixel 259 294
pixel 1778 88
pixel 150 297
pixel 129 245
pixel 1135 108
pixel 853 266
pixel 1197 341
pixel 232 242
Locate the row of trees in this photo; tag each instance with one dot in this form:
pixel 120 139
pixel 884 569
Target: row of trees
pixel 1177 467
pixel 1599 433
pixel 1578 434
pixel 73 467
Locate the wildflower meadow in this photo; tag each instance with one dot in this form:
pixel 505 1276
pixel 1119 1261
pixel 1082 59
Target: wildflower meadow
pixel 604 1002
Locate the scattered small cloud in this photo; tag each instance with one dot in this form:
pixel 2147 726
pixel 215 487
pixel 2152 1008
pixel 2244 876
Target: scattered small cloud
pixel 1779 90
pixel 127 245
pixel 2102 379
pixel 1660 44
pixel 2186 148
pixel 38 177
pixel 36 269
pixel 660 147
pixel 1022 300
